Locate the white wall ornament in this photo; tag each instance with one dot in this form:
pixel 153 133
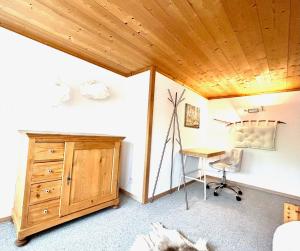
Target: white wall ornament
pixel 94 90
pixel 59 93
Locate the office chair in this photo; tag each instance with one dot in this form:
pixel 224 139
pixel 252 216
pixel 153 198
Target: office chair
pixel 232 163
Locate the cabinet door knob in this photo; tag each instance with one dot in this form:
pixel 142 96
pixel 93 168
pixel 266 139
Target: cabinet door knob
pixel 50 171
pixel 47 191
pixel 45 211
pixel 51 151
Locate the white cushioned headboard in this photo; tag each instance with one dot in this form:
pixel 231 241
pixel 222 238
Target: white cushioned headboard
pixel 256 135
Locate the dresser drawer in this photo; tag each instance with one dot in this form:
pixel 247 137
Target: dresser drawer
pixel 46 171
pixel 48 151
pixel 43 212
pixel 44 191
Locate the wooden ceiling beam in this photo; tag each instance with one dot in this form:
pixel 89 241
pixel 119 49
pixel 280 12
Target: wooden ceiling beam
pixel 253 94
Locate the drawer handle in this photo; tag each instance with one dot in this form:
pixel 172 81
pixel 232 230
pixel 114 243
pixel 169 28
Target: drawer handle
pixel 51 151
pixel 50 171
pixel 47 191
pixel 45 211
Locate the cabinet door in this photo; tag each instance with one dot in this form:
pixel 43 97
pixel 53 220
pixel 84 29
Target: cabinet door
pixel 90 175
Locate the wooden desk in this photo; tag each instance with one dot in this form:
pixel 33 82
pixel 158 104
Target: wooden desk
pixel 203 154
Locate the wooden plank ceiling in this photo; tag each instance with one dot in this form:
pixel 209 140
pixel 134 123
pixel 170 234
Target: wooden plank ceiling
pixel 219 48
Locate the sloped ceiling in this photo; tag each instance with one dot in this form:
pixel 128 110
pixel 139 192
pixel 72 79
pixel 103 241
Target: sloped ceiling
pixel 219 48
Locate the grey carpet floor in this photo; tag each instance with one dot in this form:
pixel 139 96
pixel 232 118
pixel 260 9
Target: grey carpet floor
pixel 226 224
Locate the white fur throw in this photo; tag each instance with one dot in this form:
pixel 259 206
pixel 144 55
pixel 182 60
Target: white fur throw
pixel 163 239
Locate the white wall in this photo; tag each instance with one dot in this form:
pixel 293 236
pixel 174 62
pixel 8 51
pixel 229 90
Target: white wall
pixel 28 68
pixel 275 170
pixel 191 137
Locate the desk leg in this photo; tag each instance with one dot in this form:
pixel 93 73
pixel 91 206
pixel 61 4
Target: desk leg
pixel 201 168
pixel 181 176
pixel 204 176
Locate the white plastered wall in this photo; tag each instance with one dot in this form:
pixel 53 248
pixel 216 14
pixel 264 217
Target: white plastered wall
pixel 28 68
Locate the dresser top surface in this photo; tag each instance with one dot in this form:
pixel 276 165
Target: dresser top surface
pixel 57 133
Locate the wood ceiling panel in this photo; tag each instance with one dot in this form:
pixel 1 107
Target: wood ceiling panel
pixel 213 16
pixel 245 23
pixel 49 20
pixel 165 34
pixel 181 12
pixel 275 18
pixel 67 46
pixel 218 48
pixel 129 13
pixel 108 39
pixel 294 45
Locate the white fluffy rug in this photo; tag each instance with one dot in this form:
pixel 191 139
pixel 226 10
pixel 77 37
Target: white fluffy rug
pixel 163 239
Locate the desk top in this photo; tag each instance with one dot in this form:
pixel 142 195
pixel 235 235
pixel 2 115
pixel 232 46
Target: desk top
pixel 202 152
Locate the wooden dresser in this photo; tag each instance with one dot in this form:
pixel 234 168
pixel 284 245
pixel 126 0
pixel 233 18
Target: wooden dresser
pixel 62 177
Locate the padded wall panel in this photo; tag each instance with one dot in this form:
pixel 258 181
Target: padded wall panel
pixel 257 135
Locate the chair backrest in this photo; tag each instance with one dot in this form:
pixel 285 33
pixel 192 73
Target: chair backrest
pixel 236 156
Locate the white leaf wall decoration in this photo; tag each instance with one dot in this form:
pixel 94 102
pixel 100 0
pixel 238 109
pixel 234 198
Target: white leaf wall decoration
pixel 94 90
pixel 59 93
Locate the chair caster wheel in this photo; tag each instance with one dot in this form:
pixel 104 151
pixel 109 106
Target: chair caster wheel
pixel 207 187
pixel 238 198
pixel 216 194
pixel 240 193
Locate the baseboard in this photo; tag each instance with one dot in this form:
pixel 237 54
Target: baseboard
pixel 157 196
pixel 212 178
pixel 5 219
pixel 129 195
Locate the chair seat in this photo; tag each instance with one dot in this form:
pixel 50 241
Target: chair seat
pixel 232 163
pixel 221 166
